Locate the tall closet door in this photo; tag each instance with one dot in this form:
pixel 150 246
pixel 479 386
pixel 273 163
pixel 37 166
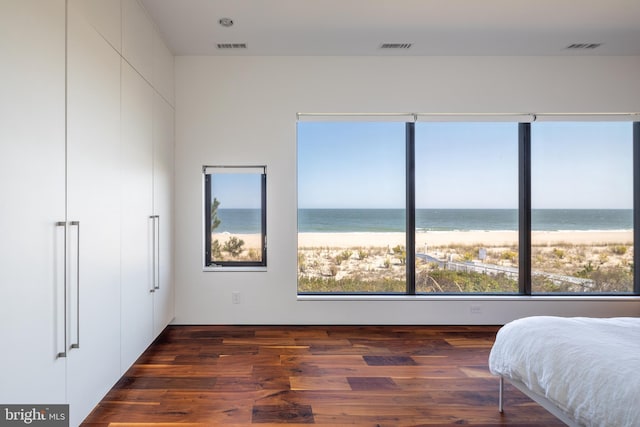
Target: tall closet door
pixel 137 285
pixel 93 214
pixel 32 190
pixel 163 137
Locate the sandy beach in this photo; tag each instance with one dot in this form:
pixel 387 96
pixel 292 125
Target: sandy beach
pixel 444 238
pixel 441 238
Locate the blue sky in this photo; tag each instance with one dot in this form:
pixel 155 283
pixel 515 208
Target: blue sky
pixel 346 165
pixel 464 165
pixel 237 190
pixel 582 165
pixel 467 165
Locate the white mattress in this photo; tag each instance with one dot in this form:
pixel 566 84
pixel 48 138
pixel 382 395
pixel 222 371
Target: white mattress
pixel 589 368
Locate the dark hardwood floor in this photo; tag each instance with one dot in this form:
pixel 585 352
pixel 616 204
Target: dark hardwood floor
pixel 332 375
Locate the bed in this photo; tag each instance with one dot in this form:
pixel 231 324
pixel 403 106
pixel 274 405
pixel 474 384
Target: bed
pixel 585 371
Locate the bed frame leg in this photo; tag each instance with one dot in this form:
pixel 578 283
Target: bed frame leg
pixel 500 401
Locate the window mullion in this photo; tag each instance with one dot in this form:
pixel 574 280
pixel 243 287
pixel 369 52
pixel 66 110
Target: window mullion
pixel 263 218
pixel 636 207
pixel 524 207
pixel 410 227
pixel 207 218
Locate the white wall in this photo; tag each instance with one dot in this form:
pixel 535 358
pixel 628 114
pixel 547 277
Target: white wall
pixel 242 110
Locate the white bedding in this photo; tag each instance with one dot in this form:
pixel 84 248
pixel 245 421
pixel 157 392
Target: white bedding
pixel 589 368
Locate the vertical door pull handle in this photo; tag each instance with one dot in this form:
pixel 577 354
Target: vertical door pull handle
pixel 153 253
pixel 77 225
pixel 64 269
pixel 157 252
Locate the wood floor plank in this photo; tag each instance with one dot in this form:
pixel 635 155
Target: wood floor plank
pixel 286 414
pixel 195 376
pixel 389 360
pixel 372 383
pixel 163 383
pixel 319 383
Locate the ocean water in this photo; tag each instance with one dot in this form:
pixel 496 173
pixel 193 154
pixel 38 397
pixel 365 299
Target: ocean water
pixel 364 220
pixel 242 221
pixel 389 220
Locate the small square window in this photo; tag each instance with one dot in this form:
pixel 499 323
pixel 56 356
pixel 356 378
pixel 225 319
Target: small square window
pixel 235 224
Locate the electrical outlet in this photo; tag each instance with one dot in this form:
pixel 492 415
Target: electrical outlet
pixel 475 309
pixel 235 297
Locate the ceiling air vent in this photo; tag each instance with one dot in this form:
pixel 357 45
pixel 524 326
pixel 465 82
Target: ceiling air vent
pixel 232 45
pixel 395 45
pixel 582 46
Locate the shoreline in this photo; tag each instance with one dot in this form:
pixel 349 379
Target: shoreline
pixel 445 238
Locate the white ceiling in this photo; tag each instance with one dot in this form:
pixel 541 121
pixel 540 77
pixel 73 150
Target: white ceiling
pixel 434 27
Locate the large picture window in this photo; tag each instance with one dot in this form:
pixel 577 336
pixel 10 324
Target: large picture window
pixel 351 215
pixel 582 207
pixel 466 207
pixel 235 216
pixel 476 207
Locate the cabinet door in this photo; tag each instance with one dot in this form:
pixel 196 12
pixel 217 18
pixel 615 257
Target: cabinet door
pixel 104 16
pixel 137 207
pixel 163 137
pixel 137 38
pixel 93 212
pixel 163 69
pixel 32 190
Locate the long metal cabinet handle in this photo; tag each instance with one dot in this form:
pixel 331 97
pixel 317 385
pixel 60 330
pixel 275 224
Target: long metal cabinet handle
pixel 64 224
pixel 157 252
pixel 153 253
pixel 77 343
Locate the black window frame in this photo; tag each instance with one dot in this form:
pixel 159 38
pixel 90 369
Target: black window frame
pixel 208 262
pixel 524 221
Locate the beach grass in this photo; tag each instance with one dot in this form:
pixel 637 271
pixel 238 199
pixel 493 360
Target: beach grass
pixel 562 262
pixel 575 262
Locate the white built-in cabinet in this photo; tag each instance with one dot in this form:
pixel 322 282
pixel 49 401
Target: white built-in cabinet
pixel 146 227
pixel 137 229
pixel 86 171
pixel 93 213
pixel 137 38
pixel 163 153
pixel 32 197
pixel 147 137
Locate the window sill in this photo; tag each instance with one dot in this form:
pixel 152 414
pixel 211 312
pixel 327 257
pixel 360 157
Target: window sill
pixel 234 269
pixel 468 298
